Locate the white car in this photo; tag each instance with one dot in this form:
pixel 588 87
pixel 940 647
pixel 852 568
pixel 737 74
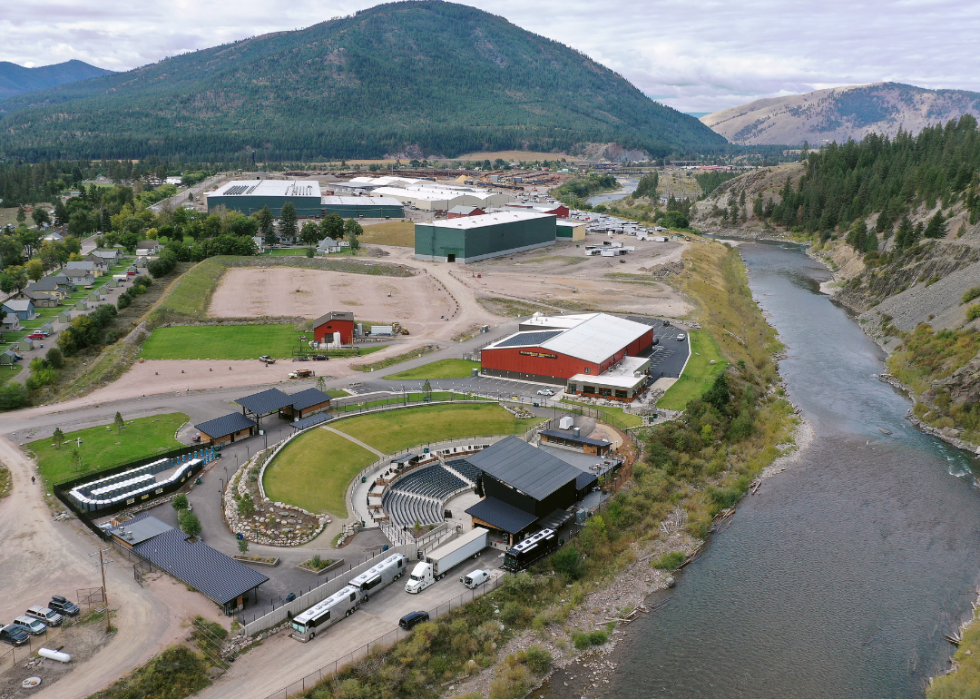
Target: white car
pixel 680 337
pixel 545 392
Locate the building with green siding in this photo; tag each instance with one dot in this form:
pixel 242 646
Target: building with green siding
pixel 475 238
pixel 363 207
pixel 249 196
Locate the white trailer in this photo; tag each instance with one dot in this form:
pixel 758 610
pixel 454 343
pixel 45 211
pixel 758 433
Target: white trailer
pixel 380 576
pixel 325 614
pixel 439 562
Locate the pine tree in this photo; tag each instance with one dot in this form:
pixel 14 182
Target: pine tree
pixel 903 237
pixel 119 422
pixel 287 221
pixel 58 437
pixel 937 226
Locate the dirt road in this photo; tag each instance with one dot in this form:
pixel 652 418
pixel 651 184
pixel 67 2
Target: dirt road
pixel 40 557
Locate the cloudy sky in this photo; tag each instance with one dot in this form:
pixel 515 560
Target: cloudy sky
pixel 696 57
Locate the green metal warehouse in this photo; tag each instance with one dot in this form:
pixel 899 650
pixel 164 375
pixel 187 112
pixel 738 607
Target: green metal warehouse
pixel 249 196
pixel 475 238
pixel 363 207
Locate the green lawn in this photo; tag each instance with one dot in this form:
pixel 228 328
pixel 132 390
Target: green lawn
pixel 337 393
pixel 351 406
pixel 192 293
pixel 9 371
pixel 698 375
pixel 614 416
pixel 221 342
pixel 313 472
pixel 395 430
pixel 104 448
pixel 286 252
pixel 442 369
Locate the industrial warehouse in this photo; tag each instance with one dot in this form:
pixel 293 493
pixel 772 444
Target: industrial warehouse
pixel 249 196
pixel 474 238
pixel 591 354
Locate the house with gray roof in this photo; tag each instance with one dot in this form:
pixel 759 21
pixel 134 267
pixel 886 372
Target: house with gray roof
pixel 80 277
pixel 22 308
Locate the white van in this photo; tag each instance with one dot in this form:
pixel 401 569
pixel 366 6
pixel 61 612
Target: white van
pixel 475 578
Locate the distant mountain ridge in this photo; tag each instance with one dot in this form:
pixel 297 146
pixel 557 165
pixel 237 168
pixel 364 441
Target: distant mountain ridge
pixel 839 113
pixel 408 78
pixel 18 80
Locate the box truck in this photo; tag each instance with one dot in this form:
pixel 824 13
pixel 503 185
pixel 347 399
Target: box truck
pixel 439 562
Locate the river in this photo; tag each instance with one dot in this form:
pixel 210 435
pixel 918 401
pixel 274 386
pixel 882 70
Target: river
pixel 628 187
pixel 841 575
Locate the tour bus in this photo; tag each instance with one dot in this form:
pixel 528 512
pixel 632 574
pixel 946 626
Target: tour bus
pixel 324 614
pixel 378 577
pixel 525 553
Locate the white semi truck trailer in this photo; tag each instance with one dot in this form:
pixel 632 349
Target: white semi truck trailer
pixel 439 562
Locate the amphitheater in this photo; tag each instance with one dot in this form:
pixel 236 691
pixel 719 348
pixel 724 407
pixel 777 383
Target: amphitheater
pixel 421 494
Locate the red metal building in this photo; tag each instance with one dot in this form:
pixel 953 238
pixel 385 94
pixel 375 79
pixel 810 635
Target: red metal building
pixel 334 322
pixel 566 346
pixel 463 211
pixel 558 210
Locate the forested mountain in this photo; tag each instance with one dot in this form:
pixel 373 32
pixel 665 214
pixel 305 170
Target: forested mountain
pixel 841 113
pixel 16 80
pixel 416 78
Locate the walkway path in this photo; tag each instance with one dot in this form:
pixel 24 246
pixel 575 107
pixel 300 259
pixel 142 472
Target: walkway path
pixel 356 441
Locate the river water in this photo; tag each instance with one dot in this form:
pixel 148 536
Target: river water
pixel 628 187
pixel 841 575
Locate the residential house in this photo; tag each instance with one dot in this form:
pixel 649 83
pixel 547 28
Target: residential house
pixel 113 256
pixel 175 180
pixel 101 265
pixel 49 286
pixel 10 322
pixel 148 247
pixel 40 299
pixel 80 277
pixel 87 266
pixel 329 245
pixel 22 308
pixel 53 237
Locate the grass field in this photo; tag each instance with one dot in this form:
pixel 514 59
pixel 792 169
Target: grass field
pixel 395 430
pixel 221 342
pixel 286 252
pixel 398 233
pixel 104 448
pixel 619 417
pixel 315 470
pixel 9 371
pixel 698 374
pixel 193 290
pixel 442 369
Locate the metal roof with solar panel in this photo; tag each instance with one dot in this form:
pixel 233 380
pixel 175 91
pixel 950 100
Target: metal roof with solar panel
pixel 527 339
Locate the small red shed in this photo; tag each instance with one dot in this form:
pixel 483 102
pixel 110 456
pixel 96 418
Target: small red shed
pixel 334 322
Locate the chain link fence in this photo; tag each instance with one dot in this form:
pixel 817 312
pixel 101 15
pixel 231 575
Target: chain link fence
pixel 382 642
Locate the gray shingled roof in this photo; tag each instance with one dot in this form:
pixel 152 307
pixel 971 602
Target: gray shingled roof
pixel 219 577
pixel 572 438
pixel 227 424
pixel 333 315
pixel 310 421
pixel 308 398
pixel 265 402
pixel 528 339
pixel 499 514
pixel 530 470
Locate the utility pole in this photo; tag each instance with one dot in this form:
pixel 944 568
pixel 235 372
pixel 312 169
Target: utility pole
pixel 105 593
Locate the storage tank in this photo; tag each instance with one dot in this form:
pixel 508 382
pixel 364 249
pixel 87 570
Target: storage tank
pixel 54 655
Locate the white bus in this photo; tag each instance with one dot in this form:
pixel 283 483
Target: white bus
pixel 380 576
pixel 326 613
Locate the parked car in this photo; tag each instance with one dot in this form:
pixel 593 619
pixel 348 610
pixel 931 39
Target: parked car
pixel 30 625
pixel 37 335
pixel 545 392
pixel 63 606
pixel 666 323
pixel 413 619
pixel 320 357
pixel 475 578
pixel 681 337
pixel 45 614
pixel 267 359
pixel 14 635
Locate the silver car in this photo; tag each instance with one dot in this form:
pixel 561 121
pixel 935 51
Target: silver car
pixel 30 625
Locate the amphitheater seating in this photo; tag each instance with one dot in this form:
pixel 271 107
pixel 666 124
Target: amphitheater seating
pixel 432 481
pixel 420 495
pixel 465 469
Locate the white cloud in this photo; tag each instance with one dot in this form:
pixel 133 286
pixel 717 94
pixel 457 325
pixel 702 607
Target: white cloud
pixel 693 56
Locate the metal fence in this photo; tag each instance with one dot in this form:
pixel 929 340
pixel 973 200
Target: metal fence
pixel 382 642
pixel 317 594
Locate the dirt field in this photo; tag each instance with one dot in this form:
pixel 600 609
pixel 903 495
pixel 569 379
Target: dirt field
pixel 508 155
pixel 417 302
pixel 562 277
